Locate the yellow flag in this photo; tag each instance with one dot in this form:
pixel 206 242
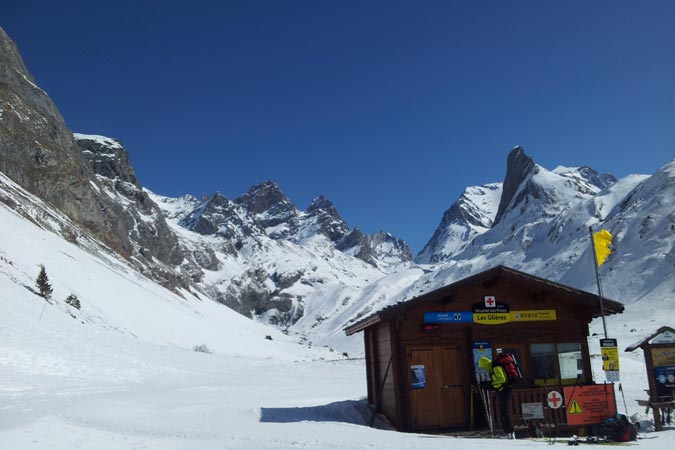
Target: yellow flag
pixel 602 241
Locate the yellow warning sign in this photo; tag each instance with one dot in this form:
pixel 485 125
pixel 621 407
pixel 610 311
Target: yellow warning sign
pixel 575 408
pixel 610 355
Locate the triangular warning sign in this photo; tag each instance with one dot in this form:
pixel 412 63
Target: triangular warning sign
pixel 574 408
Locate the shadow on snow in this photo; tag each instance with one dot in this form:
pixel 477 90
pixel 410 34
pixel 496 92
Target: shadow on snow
pixel 350 411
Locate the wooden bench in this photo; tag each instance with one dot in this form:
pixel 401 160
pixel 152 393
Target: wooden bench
pixel 656 407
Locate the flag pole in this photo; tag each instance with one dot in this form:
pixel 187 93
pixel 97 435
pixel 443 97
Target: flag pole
pixel 597 278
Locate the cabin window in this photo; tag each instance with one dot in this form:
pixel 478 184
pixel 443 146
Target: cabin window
pixel 571 364
pixel 545 370
pixel 556 363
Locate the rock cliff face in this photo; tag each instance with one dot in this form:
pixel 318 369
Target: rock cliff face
pixel 88 178
pixel 143 221
pixel 39 153
pixel 107 157
pixel 518 168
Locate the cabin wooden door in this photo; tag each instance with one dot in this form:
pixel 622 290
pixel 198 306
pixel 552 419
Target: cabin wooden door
pixel 440 403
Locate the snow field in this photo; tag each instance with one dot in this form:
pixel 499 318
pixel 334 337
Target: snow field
pixel 121 374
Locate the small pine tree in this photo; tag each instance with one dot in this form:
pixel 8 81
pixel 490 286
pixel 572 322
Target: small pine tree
pixel 73 301
pixel 202 348
pixel 43 285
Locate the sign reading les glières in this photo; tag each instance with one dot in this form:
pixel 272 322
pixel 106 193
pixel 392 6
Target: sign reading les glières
pixel 490 313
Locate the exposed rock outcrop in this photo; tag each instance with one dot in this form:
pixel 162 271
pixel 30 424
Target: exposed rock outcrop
pixel 89 179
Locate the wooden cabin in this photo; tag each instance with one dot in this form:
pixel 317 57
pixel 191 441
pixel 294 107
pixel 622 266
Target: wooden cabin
pixel 421 355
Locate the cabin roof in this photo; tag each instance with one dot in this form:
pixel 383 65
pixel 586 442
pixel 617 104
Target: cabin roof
pixel 648 338
pixel 575 296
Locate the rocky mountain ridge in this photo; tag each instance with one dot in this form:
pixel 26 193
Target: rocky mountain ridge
pixel 218 247
pixel 307 270
pixel 544 231
pixel 526 186
pixel 266 211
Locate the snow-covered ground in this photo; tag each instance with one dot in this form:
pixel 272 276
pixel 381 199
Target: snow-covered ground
pixel 121 372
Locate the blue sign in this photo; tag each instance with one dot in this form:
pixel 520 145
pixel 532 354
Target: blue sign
pixel 665 382
pixel 418 376
pixel 480 349
pixel 448 317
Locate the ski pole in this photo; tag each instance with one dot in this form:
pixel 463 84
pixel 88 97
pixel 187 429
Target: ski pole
pixel 624 399
pixel 489 412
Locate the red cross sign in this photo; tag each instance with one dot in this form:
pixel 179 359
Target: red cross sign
pixel 490 301
pixel 554 399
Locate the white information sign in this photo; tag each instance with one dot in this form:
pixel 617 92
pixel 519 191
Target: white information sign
pixel 532 411
pixel 612 376
pixel 664 338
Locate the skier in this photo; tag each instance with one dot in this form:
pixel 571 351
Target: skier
pixel 500 382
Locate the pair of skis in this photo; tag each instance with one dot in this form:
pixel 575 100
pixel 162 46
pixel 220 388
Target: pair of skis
pixel 575 441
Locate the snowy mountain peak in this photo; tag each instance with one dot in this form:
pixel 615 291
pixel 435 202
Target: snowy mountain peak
pixel 321 203
pixel 471 215
pixel 529 195
pixel 261 197
pixel 321 206
pixel 322 217
pixel 530 187
pixel 270 209
pixel 585 179
pixel 220 216
pixel 103 141
pixel 388 249
pixel 107 157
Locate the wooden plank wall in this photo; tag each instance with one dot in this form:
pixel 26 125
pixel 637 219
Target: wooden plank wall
pixel 554 419
pixel 387 403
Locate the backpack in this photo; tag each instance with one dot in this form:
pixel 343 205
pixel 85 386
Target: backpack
pixel 508 362
pixel 616 428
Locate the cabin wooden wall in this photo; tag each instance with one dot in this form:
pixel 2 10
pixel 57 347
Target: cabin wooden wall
pixel 381 368
pixel 571 320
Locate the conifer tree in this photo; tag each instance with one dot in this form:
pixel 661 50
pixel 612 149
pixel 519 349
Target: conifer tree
pixel 43 285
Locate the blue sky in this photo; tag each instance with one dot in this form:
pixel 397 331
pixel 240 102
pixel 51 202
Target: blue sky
pixel 390 109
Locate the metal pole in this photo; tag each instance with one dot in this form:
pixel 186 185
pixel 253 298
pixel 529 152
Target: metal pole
pixel 597 277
